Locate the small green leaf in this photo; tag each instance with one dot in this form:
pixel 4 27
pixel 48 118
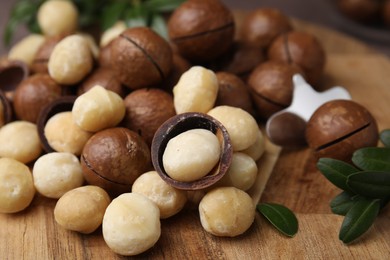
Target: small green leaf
pixel 372 159
pixel 282 218
pixel 370 183
pixel 163 5
pixel 336 171
pixel 343 202
pixel 113 13
pixel 136 16
pixel 359 219
pixel 384 136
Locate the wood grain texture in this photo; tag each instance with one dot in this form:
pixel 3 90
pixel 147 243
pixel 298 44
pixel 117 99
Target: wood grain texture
pixel 294 181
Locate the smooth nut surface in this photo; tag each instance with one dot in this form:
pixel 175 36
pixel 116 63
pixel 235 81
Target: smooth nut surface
pixel 82 209
pixel 16 186
pixel 131 224
pixel 257 149
pixel 112 32
pixel 339 127
pixel 98 109
pixel 71 60
pixel 26 49
pixel 196 91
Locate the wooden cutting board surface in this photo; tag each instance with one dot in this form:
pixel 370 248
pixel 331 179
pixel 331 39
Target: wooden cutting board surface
pixel 288 176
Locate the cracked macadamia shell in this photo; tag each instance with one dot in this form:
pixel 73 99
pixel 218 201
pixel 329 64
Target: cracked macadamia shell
pixel 131 224
pixel 226 211
pixel 339 127
pixel 140 57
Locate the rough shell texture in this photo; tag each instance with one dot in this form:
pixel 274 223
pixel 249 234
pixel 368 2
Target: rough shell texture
pixel 141 57
pixel 114 158
pixel 339 127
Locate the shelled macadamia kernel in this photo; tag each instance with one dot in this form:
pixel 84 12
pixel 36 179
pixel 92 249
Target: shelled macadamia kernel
pixel 19 140
pixel 226 211
pixel 82 209
pixel 241 126
pixel 98 109
pixel 131 224
pixel 191 155
pixel 196 91
pixel 56 173
pixel 111 33
pixel 26 48
pixel 16 186
pixel 64 135
pixel 257 149
pixel 168 199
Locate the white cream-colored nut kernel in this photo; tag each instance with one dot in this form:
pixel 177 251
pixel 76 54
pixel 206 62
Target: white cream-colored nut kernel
pixel 95 50
pixel 242 172
pixel 226 211
pixel 58 17
pixel 111 33
pixel 82 209
pixel 64 135
pixel 16 186
pixel 196 91
pixel 241 125
pixel 26 48
pixel 97 109
pixel 191 155
pixel 131 224
pixel 19 140
pixel 168 199
pixel 71 60
pixel 257 149
pixel 56 173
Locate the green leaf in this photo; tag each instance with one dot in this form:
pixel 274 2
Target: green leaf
pixel 113 13
pixel 159 26
pixel 343 202
pixel 359 219
pixel 384 136
pixel 336 171
pixel 370 183
pixel 136 16
pixel 372 158
pixel 282 218
pixel 163 5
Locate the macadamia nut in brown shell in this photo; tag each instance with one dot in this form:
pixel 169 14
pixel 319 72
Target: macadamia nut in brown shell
pixel 114 158
pixel 339 127
pixel 140 57
pixel 201 30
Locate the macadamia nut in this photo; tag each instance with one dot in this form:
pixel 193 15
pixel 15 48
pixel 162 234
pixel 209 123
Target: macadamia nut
pixel 26 48
pixel 64 135
pixel 241 125
pixel 98 109
pixel 19 140
pixel 82 209
pixel 71 60
pixel 257 149
pixel 112 32
pixel 57 17
pixel 168 199
pixel 16 186
pixel 196 91
pixel 131 224
pixel 242 172
pixel 56 173
pixel 226 211
pixel 191 155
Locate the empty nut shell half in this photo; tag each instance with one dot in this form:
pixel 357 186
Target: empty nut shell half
pixel 12 72
pixel 6 110
pixel 182 123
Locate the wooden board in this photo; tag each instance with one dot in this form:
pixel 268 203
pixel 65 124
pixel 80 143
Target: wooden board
pixel 288 176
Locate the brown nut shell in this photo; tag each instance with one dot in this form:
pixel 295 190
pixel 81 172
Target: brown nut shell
pixel 234 92
pixel 12 72
pixel 360 10
pixel 39 63
pixel 113 158
pixel 386 13
pixel 146 110
pixel 179 124
pixel 201 30
pixel 179 66
pixel 261 26
pixel 340 127
pixel 6 109
pixel 61 104
pixel 104 77
pixel 271 86
pixel 302 49
pixel 140 57
pixel 33 94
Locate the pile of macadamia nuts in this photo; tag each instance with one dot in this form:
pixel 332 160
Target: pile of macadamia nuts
pixel 78 119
